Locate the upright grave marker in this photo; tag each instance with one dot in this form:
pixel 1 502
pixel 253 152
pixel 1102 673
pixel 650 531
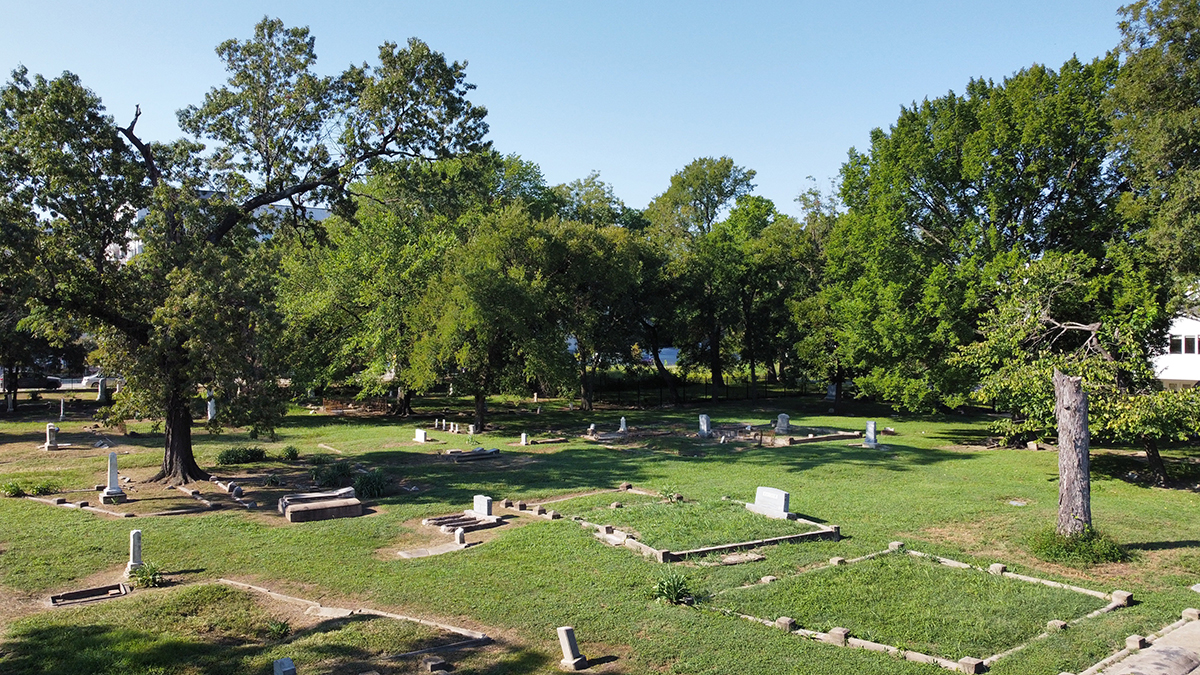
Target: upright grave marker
pixel 783 424
pixel 135 552
pixel 870 441
pixel 572 659
pixel 420 436
pixel 705 426
pixel 113 493
pixel 771 502
pixel 623 428
pixel 51 436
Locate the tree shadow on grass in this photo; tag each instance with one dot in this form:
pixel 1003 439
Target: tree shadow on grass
pixel 1163 545
pixel 1133 469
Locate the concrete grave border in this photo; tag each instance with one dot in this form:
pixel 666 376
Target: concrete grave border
pixel 1188 615
pixel 841 637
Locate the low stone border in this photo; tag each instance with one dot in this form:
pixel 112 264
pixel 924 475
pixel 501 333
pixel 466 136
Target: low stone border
pixel 475 638
pixel 841 636
pixel 1188 615
pixel 82 506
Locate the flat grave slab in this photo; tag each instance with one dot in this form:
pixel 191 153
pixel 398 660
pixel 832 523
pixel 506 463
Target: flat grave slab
pixel 324 510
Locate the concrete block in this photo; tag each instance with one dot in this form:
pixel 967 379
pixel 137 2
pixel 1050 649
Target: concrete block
pixel 285 666
pixel 1122 598
pixel 326 510
pixel 837 561
pixel 1056 625
pixel 998 568
pixel 837 636
pixel 970 664
pixel 918 657
pixel 433 664
pixel 785 623
pixel 1191 614
pixel 895 545
pixel 1135 642
pixel 768 579
pixel 625 487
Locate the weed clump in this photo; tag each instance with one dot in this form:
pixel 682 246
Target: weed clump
pixel 1087 548
pixel 672 587
pixel 147 576
pixel 371 484
pixel 241 454
pixel 278 630
pixel 42 488
pixel 331 475
pixel 291 453
pixel 12 489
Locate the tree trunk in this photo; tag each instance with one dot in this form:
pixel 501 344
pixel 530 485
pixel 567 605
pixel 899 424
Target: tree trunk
pixel 667 376
pixel 714 358
pixel 179 464
pixel 404 402
pixel 1155 461
pixel 480 411
pixel 753 381
pixel 772 374
pixel 1074 478
pixel 586 385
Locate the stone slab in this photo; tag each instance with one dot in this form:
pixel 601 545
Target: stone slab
pixel 324 510
pixel 432 550
pixel 89 595
pixel 307 497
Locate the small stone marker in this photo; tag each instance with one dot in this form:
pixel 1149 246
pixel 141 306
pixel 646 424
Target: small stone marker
pixel 521 506
pixel 433 664
pixel 113 493
pixel 421 436
pixel 1056 625
pixel 506 503
pixel 1135 642
pixel 212 408
pixel 768 579
pixel 285 666
pixel 135 551
pixel 572 659
pixel 998 568
pixel 895 545
pixel 785 623
pixel 236 490
pixel 482 505
pixel 771 502
pixel 1191 614
pixel 62 409
pixel 460 536
pixel 471 429
pixel 971 665
pixel 524 438
pixel 539 510
pixel 838 636
pixel 591 430
pixel 623 429
pixel 1196 588
pixel 535 397
pixel 782 424
pixel 831 393
pixel 1122 598
pixel 705 426
pixel 870 441
pixel 51 436
pixel 837 561
pixel 616 505
pixel 625 487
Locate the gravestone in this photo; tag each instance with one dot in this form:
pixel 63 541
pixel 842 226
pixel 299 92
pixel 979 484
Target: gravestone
pixel 782 424
pixel 102 391
pixel 870 441
pixel 624 428
pixel 572 659
pixel 51 436
pixel 135 552
pixel 831 393
pixel 285 666
pixel 212 407
pixel 420 436
pixel 471 429
pixel 771 502
pixel 524 438
pixel 113 493
pixel 705 427
pixel 482 505
pixel 62 409
pixel 460 536
pixel 591 430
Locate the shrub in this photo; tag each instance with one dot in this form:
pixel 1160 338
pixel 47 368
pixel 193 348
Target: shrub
pixel 331 475
pixel 241 454
pixel 270 480
pixel 277 630
pixel 371 484
pixel 319 460
pixel 45 487
pixel 1089 547
pixel 672 587
pixel 12 489
pixel 291 453
pixel 147 576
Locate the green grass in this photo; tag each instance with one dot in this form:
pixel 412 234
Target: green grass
pixel 915 603
pixel 681 526
pixel 926 490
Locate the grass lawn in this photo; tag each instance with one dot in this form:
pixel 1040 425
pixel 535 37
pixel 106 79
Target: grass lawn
pixel 933 487
pixel 680 526
pixel 915 603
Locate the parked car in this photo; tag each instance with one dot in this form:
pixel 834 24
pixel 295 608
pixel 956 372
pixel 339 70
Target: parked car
pixel 33 381
pixel 93 380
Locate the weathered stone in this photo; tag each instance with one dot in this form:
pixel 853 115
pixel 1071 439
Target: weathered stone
pixel 460 536
pixel 324 510
pixel 572 659
pixel 623 428
pixel 1122 598
pixel 1191 614
pixel 625 487
pixel 771 502
pixel 135 552
pixel 997 568
pixel 971 665
pixel 521 506
pixel 895 545
pixel 1135 642
pixel 837 636
pixel 768 579
pixel 506 503
pixel 482 505
pixel 1055 625
pixel 837 561
pixel 539 510
pixel 285 666
pixel 433 664
pixel 615 505
pixel 705 426
pixel 785 623
pixel 739 558
pixel 782 424
pixel 869 439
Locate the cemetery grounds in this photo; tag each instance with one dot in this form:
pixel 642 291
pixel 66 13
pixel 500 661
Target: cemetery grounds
pixel 934 486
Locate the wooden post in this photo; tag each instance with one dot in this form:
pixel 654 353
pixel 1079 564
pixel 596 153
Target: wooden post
pixel 1074 479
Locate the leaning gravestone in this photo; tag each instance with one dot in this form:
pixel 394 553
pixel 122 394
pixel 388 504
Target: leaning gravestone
pixel 783 424
pixel 771 502
pixel 705 427
pixel 870 441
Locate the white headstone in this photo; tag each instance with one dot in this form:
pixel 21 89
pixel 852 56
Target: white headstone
pixel 705 426
pixel 591 430
pixel 212 408
pixel 482 505
pixel 460 536
pixel 571 659
pixel 831 393
pixel 870 440
pixel 62 409
pixel 135 551
pixel 101 390
pixel 114 488
pixel 623 427
pixel 471 429
pixel 782 424
pixel 539 410
pixel 420 436
pixel 535 397
pixel 51 436
pixel 771 502
pixel 524 438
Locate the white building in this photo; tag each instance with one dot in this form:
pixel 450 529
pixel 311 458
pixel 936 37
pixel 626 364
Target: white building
pixel 1179 368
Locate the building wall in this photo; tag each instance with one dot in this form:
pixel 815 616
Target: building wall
pixel 1179 367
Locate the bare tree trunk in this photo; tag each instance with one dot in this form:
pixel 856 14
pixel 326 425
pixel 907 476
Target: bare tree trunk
pixel 179 464
pixel 586 385
pixel 714 358
pixel 1074 478
pixel 667 376
pixel 480 410
pixel 1155 461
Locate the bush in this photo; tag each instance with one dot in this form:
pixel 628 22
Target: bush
pixel 1089 547
pixel 371 484
pixel 12 489
pixel 270 480
pixel 291 453
pixel 331 475
pixel 241 454
pixel 672 587
pixel 319 460
pixel 45 487
pixel 147 576
pixel 278 630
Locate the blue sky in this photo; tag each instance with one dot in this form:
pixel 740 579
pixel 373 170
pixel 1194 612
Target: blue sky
pixel 634 90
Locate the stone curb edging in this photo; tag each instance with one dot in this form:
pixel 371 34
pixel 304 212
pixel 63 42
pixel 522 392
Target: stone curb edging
pixel 1188 615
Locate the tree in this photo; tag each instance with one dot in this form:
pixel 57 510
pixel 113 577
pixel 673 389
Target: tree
pixel 282 134
pixel 698 194
pixel 1074 479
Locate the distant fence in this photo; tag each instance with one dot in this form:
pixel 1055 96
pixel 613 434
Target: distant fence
pixel 640 390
